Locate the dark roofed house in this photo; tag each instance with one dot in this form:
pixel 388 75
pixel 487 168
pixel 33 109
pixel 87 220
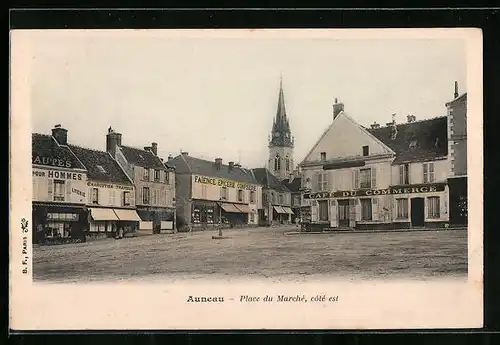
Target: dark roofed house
pixel 294 184
pixel 276 198
pixel 416 141
pixel 211 194
pixel 154 183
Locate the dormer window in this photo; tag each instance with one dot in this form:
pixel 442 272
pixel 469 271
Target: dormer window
pixel 436 142
pixel 323 156
pixel 413 145
pixel 101 169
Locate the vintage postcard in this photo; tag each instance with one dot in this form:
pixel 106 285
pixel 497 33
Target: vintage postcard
pixel 246 179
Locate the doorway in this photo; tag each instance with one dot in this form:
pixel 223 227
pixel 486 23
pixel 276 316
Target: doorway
pixel 417 212
pixel 343 213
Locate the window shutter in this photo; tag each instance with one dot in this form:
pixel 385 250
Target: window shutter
pixel 67 185
pixel 375 209
pixel 409 177
pixel 425 172
pixel 356 179
pixel 314 211
pixel 141 198
pixel 401 173
pixel 333 214
pixel 374 177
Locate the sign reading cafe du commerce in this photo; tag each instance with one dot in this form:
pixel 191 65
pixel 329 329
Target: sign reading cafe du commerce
pixel 424 188
pixel 224 183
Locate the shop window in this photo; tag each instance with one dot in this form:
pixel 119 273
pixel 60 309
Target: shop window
pixel 59 190
pixel 404 174
pixel 252 196
pixel 428 172
pixel 95 196
pixel 223 193
pixel 145 174
pixel 126 198
pixel 210 215
pixel 196 214
pixel 433 207
pixel 365 178
pixel 402 208
pixel 366 209
pixel 145 195
pixel 157 175
pixel 366 150
pixel 323 210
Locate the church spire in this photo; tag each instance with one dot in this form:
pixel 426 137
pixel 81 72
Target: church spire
pixel 281 135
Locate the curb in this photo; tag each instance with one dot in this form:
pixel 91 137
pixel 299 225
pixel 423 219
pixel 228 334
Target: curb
pixel 293 233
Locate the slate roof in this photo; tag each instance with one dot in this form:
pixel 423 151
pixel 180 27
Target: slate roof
pixel 92 158
pixel 294 186
pixel 142 158
pixel 267 179
pixel 462 97
pixel 46 146
pixel 186 164
pixel 430 137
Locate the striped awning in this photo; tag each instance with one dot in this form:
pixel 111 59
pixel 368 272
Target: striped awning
pixel 127 215
pixel 287 210
pixel 231 208
pixel 279 209
pixel 103 214
pixel 243 208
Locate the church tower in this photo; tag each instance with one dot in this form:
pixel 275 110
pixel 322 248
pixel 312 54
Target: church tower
pixel 281 142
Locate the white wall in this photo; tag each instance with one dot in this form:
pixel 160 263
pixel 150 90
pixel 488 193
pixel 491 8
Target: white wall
pixel 441 172
pixel 110 194
pixel 75 185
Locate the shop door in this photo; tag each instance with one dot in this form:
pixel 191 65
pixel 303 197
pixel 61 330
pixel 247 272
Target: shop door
pixel 417 212
pixel 343 213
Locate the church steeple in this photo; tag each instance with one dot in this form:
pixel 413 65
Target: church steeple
pixel 281 134
pixel 280 161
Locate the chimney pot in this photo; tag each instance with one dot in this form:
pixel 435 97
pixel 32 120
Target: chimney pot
pixel 231 165
pixel 113 140
pixel 456 90
pixel 337 108
pixel 60 134
pixel 375 125
pixel 218 163
pixel 154 148
pixel 184 153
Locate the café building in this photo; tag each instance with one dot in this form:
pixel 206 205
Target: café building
pixel 388 177
pixel 59 194
pixel 111 195
pixel 214 195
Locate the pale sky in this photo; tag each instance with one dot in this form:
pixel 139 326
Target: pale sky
pixel 218 96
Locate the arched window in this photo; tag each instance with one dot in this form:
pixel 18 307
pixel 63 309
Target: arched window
pixel 287 163
pixel 277 163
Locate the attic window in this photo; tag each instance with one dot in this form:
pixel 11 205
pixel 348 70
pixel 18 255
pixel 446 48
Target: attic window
pixel 366 150
pixel 323 156
pixel 413 145
pixel 436 142
pixel 101 169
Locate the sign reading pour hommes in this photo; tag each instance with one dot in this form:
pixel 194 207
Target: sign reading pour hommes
pixel 424 188
pixel 223 183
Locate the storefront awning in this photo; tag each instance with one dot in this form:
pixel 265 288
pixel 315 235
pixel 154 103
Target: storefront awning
pixel 127 215
pixel 279 209
pixel 287 210
pixel 229 208
pixel 103 214
pixel 243 208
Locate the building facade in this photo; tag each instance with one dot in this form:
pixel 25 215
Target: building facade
pixel 276 199
pixel 214 195
pixel 154 183
pixel 457 141
pixel 281 142
pixel 111 195
pixel 59 189
pixel 383 177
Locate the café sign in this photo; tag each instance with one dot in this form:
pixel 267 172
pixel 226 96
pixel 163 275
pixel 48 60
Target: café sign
pixel 411 189
pixel 224 183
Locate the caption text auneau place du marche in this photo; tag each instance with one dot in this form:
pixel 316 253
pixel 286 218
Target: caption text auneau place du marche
pixel 266 298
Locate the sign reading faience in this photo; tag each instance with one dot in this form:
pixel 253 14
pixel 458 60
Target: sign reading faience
pixel 109 185
pixel 411 189
pixel 224 183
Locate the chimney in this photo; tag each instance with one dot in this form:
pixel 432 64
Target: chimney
pixel 411 118
pixel 455 95
pixel 231 165
pixel 154 148
pixel 218 163
pixel 60 134
pixel 337 108
pixel 113 140
pixel 375 125
pixel 237 165
pixel 170 158
pixel 394 129
pixel 147 148
pixel 184 153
